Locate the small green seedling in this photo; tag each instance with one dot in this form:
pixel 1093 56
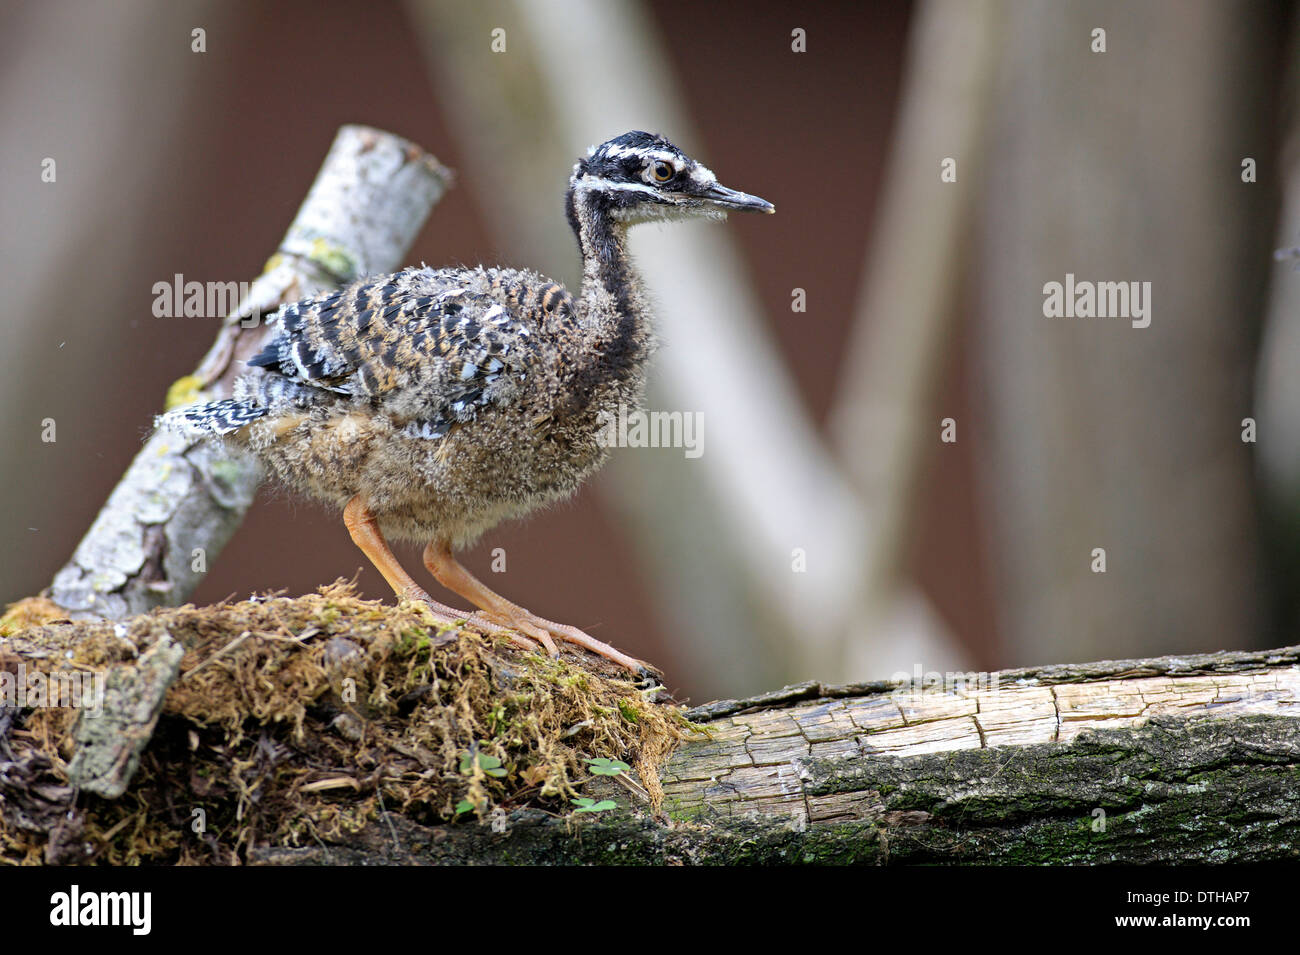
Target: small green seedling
pixel 587 804
pixel 607 767
pixel 490 765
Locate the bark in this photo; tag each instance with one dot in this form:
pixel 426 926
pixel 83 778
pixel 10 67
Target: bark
pixel 108 750
pixel 176 506
pixel 1175 759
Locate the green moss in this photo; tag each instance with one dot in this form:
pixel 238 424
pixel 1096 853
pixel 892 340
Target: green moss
pixel 334 259
pixel 289 740
pixel 227 471
pixel 183 391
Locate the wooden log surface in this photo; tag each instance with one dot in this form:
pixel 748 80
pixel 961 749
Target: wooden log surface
pixel 758 759
pixel 1172 759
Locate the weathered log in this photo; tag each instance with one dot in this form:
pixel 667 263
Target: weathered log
pixel 1173 759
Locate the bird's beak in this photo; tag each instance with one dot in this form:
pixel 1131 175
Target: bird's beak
pixel 731 199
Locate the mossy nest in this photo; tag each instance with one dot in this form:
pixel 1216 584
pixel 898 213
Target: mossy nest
pixel 296 721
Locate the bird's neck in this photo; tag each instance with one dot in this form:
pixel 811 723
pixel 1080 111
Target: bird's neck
pixel 611 306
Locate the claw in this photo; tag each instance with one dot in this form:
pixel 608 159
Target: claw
pixel 449 572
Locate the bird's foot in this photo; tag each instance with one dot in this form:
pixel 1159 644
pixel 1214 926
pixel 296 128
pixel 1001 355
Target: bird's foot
pixel 521 635
pixel 531 638
pixel 450 617
pixel 538 630
pixel 535 630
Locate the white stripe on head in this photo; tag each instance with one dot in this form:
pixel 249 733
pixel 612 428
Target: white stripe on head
pixel 648 152
pixel 589 182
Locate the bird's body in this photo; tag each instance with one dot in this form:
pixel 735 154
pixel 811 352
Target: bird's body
pixel 454 398
pixel 433 404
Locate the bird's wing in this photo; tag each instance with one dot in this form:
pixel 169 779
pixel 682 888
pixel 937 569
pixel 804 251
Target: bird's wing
pixel 451 350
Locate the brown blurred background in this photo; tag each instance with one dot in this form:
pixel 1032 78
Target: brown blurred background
pixel 924 302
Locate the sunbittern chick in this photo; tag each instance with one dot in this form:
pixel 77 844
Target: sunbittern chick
pixel 432 404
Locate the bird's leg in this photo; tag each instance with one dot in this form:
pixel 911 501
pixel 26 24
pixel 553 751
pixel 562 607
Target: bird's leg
pixel 449 572
pixel 367 536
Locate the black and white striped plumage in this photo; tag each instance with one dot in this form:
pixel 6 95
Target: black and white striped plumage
pixel 215 418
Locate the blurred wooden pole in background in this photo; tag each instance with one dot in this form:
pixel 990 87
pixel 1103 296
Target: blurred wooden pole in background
pixel 1122 166
pixel 886 419
pixel 1277 395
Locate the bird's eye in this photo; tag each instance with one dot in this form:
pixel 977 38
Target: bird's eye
pixel 664 171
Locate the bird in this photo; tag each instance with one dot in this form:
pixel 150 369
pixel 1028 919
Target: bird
pixel 430 405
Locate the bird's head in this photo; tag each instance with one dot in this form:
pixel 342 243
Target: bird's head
pixel 641 177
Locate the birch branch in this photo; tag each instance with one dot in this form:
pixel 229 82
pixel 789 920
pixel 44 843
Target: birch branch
pixel 177 505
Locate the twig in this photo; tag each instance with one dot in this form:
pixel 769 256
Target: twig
pixel 176 506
